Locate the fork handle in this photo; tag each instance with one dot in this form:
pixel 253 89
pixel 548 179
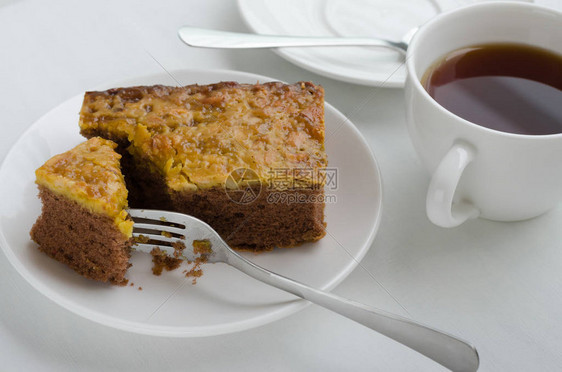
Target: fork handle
pixel 445 349
pixel 207 38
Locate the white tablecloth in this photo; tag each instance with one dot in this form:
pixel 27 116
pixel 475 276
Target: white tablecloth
pixel 498 285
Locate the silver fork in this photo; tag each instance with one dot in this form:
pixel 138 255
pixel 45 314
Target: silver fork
pixel 165 228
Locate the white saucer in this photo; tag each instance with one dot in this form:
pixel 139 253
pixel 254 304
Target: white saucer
pixel 224 300
pixel 388 19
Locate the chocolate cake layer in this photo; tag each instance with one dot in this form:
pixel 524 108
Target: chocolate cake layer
pixel 261 224
pixel 64 228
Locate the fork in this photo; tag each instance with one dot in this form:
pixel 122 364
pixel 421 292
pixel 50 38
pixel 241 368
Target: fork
pixel 161 229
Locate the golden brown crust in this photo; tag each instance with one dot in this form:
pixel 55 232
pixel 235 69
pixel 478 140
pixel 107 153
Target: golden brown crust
pixel 196 135
pixel 163 108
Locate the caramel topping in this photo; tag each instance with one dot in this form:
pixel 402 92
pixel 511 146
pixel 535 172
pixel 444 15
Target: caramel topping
pixel 197 135
pixel 90 175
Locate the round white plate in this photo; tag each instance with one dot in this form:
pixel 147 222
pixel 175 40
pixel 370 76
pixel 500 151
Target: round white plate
pixel 223 300
pixel 387 19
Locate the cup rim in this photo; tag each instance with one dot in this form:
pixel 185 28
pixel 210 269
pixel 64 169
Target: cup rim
pixel 410 60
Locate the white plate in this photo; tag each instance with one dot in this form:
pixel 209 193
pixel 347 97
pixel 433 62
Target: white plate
pixel 387 19
pixel 224 300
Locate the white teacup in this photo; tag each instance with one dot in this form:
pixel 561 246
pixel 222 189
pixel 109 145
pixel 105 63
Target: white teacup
pixel 480 172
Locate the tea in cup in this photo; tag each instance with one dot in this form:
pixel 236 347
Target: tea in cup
pixel 484 111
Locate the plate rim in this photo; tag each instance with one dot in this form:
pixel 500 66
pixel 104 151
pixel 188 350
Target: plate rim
pixel 243 10
pixel 183 332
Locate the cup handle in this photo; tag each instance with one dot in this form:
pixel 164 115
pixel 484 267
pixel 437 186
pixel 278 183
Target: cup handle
pixel 441 210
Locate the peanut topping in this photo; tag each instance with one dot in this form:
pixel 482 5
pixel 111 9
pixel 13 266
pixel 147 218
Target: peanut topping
pixel 197 135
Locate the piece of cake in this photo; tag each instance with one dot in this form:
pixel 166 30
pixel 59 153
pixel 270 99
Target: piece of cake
pixel 84 222
pixel 247 159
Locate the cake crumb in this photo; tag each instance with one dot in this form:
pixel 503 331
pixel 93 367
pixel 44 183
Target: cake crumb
pixel 140 288
pixel 203 249
pixel 178 248
pixel 141 239
pixel 195 271
pixel 162 261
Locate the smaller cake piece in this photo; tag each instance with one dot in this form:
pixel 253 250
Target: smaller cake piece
pixel 84 222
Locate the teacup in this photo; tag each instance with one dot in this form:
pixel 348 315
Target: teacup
pixel 476 171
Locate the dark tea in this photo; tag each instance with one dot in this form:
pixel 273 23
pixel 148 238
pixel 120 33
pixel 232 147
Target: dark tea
pixel 507 87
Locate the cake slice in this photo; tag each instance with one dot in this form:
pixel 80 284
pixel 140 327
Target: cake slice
pixel 247 159
pixel 84 223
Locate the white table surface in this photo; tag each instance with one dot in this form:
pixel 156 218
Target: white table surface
pixel 498 285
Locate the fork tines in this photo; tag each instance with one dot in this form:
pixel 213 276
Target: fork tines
pixel 152 230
